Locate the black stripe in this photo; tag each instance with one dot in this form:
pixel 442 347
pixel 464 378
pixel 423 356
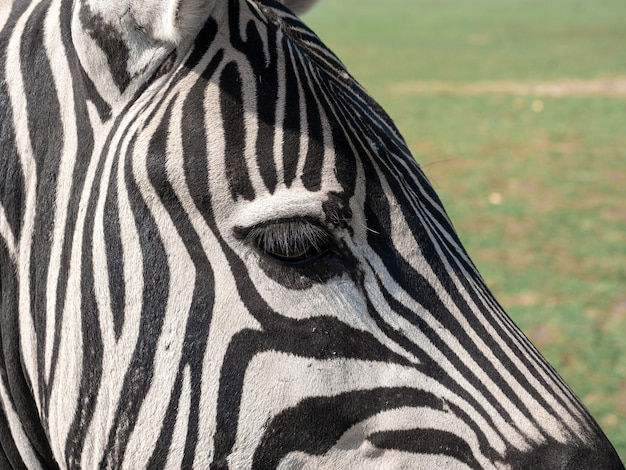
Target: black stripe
pixel 266 80
pixel 200 313
pixel 158 459
pixel 83 157
pixel 92 347
pixel 203 41
pixel 426 441
pixel 10 457
pixel 232 109
pixel 316 424
pixel 532 362
pixel 305 39
pixel 314 162
pixel 92 339
pixel 156 278
pixel 195 140
pixel 348 142
pixel 83 85
pixel 46 138
pixel 321 338
pixel 11 176
pixel 316 337
pixel 114 253
pixel 291 121
pixel 90 376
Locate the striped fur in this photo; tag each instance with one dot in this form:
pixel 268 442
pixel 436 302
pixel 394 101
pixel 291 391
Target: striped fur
pixel 158 180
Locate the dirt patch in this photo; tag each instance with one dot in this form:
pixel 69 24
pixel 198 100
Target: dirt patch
pixel 609 87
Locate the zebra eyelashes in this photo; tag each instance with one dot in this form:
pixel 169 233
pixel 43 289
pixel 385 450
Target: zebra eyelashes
pixel 292 242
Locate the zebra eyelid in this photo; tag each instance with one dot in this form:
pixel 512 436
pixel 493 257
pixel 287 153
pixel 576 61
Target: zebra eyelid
pixel 242 232
pixel 293 241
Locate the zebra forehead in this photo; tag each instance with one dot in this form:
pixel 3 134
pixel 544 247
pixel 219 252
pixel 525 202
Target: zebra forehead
pixel 312 125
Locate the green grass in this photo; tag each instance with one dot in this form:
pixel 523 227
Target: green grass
pixel 459 40
pixel 538 195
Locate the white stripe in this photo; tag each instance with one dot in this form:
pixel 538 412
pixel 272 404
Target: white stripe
pixel 5 10
pixel 62 78
pixel 416 336
pixel 304 123
pixel 6 234
pixel 250 126
pixel 281 94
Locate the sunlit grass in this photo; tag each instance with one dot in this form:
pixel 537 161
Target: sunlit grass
pixel 536 185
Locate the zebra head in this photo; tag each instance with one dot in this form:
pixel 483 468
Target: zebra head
pixel 218 252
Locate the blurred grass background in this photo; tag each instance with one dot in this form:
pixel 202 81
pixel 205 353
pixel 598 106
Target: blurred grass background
pixel 535 184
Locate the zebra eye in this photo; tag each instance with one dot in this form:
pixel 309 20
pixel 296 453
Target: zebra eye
pixel 292 242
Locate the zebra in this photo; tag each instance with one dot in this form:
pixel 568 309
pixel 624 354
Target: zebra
pixel 216 251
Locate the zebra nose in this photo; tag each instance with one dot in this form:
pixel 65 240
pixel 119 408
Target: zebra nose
pixel 572 457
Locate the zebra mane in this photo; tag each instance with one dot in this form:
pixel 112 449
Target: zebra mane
pixel 299 7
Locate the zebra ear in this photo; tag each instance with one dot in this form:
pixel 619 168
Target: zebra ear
pixel 120 42
pixel 170 21
pixel 299 7
pixel 161 21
